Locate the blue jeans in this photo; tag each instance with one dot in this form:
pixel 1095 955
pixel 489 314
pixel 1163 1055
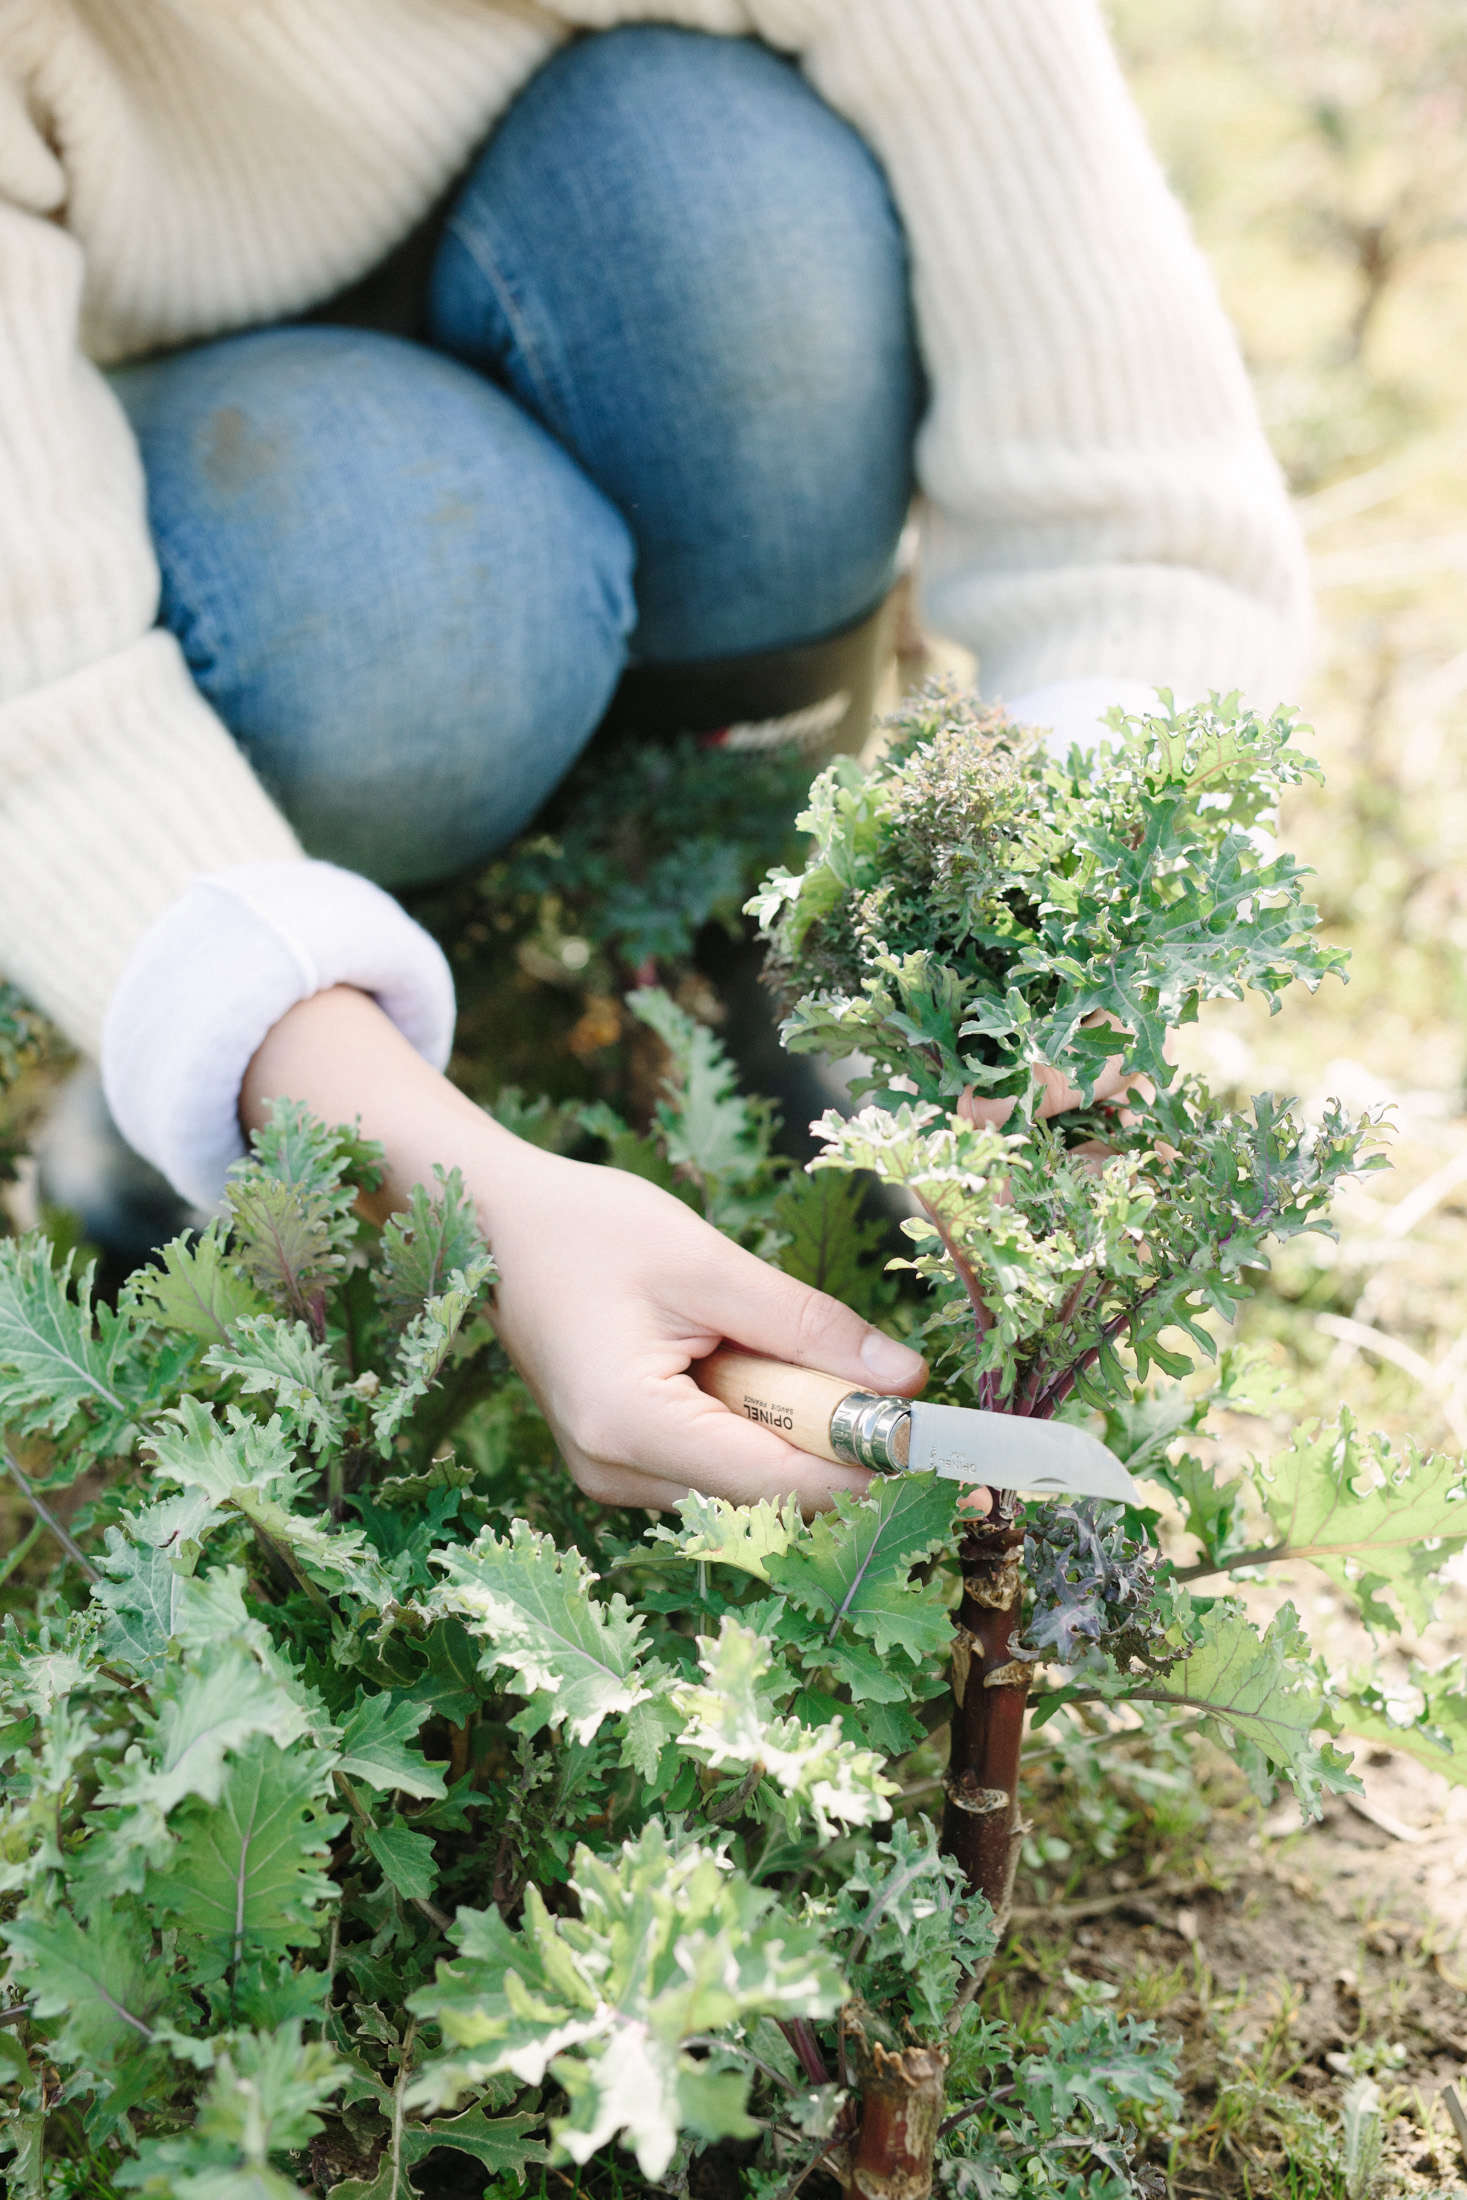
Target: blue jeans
pixel 663 413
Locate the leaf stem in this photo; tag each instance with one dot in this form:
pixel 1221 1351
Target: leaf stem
pixel 974 2108
pixel 22 1549
pixel 966 1995
pixel 1262 1555
pixel 1030 1390
pixel 789 2191
pixel 287 1558
pixel 44 1513
pixel 403 2068
pixel 1055 1393
pixel 332 1953
pixel 734 2047
pixel 982 1318
pixel 1202 1707
pixel 362 1820
pixel 1059 1389
pixel 807 2049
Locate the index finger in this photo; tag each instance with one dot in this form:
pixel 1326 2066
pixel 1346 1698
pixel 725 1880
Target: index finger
pixel 1059 1094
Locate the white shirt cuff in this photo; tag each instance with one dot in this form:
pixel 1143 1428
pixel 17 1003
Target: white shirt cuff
pixel 219 968
pixel 1073 711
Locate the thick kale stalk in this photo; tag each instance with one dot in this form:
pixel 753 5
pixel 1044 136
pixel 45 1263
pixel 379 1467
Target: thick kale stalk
pixel 902 2092
pixel 990 1690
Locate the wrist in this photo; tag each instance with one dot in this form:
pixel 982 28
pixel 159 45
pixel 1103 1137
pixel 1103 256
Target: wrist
pixel 343 1058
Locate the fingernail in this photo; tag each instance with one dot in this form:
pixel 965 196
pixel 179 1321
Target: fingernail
pixel 889 1364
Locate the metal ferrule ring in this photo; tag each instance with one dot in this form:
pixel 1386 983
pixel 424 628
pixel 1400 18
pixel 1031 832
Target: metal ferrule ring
pixel 863 1429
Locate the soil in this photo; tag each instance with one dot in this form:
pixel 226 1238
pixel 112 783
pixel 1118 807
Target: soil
pixel 1292 1949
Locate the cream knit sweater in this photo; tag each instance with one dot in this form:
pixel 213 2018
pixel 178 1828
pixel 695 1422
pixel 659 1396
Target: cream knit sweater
pixel 1100 502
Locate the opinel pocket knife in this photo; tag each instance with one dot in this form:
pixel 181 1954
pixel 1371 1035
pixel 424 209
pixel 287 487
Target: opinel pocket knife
pixel 837 1420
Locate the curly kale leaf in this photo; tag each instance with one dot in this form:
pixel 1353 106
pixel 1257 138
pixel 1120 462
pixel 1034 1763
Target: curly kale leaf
pixel 68 1368
pixel 291 1207
pixel 1095 1588
pixel 669 1943
pixel 972 904
pixel 438 1235
pixel 909 1927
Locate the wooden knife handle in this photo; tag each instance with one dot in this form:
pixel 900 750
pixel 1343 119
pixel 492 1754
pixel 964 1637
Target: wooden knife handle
pixel 795 1402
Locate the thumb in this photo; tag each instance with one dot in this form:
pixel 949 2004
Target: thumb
pixel 757 1307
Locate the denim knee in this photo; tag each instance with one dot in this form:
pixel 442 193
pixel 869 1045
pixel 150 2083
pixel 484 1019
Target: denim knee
pixel 400 594
pixel 689 269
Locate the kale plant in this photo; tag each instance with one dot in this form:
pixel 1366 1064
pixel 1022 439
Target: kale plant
pixel 972 910
pixel 370 1799
pixel 376 1812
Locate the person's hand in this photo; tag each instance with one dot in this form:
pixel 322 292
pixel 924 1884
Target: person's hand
pixel 609 1289
pixel 1114 1087
pixel 1057 1094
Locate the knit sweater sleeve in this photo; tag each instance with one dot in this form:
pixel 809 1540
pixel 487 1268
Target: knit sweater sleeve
pixel 152 899
pixel 118 785
pixel 1101 500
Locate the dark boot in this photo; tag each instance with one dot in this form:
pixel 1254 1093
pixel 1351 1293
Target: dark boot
pixel 817 696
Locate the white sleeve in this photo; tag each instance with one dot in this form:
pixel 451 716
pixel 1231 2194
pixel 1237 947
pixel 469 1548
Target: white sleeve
pixel 1073 712
pixel 218 968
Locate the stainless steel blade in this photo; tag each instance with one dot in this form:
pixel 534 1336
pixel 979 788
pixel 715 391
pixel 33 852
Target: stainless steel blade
pixel 1008 1452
